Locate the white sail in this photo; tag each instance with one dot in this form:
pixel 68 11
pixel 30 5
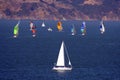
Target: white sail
pixel 61 61
pixel 70 63
pixel 102 28
pixel 43 24
pixel 31 25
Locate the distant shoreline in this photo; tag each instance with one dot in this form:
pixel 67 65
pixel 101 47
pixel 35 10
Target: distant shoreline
pixel 60 20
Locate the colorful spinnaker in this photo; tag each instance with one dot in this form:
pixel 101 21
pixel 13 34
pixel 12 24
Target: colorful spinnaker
pixel 83 28
pixel 33 30
pixel 16 30
pixel 59 26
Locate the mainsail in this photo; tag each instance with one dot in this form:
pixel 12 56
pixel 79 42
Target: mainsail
pixel 83 28
pixel 61 61
pixel 59 26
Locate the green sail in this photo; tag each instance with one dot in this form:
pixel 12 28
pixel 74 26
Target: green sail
pixel 16 28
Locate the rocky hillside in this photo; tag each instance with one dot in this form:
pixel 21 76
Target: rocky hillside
pixel 60 9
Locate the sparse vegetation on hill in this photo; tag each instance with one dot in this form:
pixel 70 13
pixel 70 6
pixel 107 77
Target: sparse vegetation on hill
pixel 59 9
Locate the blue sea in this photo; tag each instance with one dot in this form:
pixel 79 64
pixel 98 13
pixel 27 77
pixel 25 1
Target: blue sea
pixel 94 56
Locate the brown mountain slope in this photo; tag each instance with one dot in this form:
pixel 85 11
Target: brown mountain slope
pixel 59 9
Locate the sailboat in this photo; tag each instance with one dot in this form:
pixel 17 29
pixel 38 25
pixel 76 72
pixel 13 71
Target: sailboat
pixel 59 26
pixel 61 65
pixel 43 24
pixel 16 30
pixel 102 27
pixel 73 31
pixel 83 28
pixel 64 19
pixel 50 29
pixel 33 31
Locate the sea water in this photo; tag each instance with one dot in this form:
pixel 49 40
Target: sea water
pixel 94 56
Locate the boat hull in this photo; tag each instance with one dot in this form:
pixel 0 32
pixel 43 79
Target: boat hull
pixel 15 36
pixel 49 29
pixel 33 35
pixel 83 34
pixel 62 68
pixel 73 33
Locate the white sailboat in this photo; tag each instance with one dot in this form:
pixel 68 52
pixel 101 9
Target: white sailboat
pixel 43 24
pixel 61 65
pixel 50 29
pixel 102 27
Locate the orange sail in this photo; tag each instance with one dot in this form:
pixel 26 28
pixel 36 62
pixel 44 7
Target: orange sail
pixel 59 26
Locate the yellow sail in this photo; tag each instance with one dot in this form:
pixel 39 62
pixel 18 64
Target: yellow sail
pixel 59 26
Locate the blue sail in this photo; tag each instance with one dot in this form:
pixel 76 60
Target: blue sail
pixel 83 28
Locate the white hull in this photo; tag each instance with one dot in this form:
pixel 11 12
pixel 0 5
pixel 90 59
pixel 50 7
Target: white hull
pixel 49 29
pixel 62 68
pixel 15 36
pixel 43 26
pixel 102 32
pixel 83 34
pixel 33 35
pixel 73 34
